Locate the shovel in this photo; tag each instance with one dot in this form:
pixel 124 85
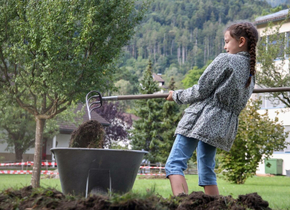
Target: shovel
pixel 98 99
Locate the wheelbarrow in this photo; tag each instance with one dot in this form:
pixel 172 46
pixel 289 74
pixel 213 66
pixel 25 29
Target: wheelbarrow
pixel 84 171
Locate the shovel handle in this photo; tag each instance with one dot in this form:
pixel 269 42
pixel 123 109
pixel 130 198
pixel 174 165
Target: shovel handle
pixel 268 90
pixel 134 97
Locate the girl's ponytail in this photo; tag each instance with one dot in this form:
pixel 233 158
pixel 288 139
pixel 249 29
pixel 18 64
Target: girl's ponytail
pixel 250 33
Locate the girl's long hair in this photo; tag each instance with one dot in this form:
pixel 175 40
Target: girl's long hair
pixel 250 33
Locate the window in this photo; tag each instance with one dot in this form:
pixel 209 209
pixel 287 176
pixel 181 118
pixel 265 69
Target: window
pixel 270 103
pixel 277 44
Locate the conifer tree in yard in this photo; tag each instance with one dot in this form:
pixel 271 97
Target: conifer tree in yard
pixel 146 130
pixel 257 135
pixel 171 115
pixel 54 52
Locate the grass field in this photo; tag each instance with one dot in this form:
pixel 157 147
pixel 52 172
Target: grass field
pixel 275 190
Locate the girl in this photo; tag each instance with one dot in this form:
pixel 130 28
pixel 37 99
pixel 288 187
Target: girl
pixel 211 120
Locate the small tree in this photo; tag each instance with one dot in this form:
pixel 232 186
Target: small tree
pixel 257 136
pixel 54 52
pixel 17 129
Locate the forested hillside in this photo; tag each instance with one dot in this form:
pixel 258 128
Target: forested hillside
pixel 178 35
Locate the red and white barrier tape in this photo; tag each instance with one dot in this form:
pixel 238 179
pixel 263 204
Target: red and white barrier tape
pixel 152 167
pixel 48 163
pixel 25 172
pixel 46 172
pixel 16 164
pixel 28 163
pixel 55 164
pixel 153 174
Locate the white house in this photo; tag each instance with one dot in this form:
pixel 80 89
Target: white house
pixel 284 113
pixel 161 82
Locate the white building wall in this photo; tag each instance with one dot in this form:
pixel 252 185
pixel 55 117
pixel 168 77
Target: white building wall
pixel 3 147
pixel 62 140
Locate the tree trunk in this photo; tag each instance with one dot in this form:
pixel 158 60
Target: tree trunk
pixel 35 179
pixel 133 51
pixel 183 54
pixel 154 52
pixel 171 49
pixel 18 154
pixel 18 149
pixel 178 55
pixel 164 45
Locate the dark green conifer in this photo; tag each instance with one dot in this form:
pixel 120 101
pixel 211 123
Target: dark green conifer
pixel 171 116
pixel 147 128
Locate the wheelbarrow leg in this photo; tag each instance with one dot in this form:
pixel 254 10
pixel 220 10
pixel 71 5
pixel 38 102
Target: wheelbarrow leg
pixel 98 181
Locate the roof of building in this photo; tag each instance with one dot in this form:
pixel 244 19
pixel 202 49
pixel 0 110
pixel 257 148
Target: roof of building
pixel 68 128
pixel 281 15
pixel 157 78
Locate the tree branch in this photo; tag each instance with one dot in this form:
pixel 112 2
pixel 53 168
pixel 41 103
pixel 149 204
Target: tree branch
pixel 5 70
pixel 27 107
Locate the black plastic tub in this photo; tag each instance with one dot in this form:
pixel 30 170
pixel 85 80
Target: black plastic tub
pixel 83 171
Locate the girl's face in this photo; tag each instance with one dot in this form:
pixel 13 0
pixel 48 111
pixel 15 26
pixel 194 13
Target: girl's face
pixel 232 45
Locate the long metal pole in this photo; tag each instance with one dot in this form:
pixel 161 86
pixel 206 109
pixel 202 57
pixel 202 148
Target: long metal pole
pixel 98 98
pixel 268 90
pixel 164 95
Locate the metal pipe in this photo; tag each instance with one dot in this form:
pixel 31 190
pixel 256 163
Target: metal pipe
pixel 134 97
pixel 268 90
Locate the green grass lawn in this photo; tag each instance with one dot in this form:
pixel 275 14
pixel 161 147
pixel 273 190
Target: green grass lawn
pixel 275 190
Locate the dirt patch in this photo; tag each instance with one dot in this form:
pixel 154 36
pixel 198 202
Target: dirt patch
pixel 28 198
pixel 88 135
pixel 152 177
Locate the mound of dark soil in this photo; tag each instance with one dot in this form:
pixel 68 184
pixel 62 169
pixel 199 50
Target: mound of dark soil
pixel 28 198
pixel 88 135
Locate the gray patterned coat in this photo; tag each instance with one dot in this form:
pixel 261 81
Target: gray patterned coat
pixel 216 101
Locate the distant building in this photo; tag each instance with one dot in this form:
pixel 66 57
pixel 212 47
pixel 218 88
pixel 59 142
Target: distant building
pixel 160 81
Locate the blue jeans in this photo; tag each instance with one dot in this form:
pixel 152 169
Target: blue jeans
pixel 182 150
